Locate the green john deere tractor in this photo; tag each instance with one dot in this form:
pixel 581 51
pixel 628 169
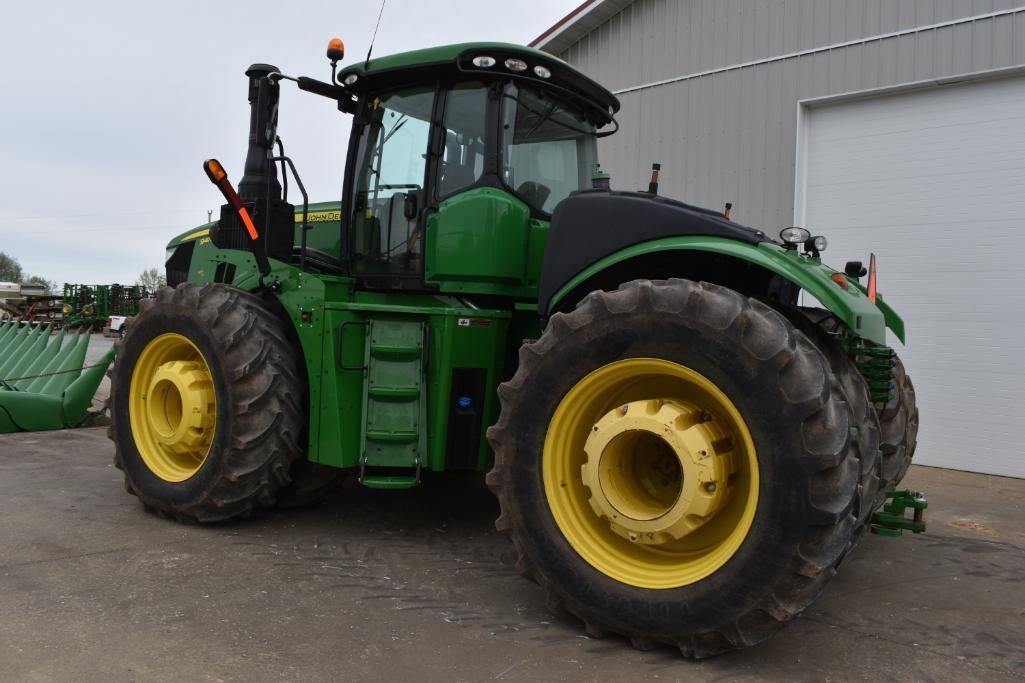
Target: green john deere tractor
pixel 682 453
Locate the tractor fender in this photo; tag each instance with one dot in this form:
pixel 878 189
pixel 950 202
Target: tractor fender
pixel 852 305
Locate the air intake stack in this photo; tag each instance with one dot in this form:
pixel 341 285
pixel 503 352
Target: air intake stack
pixel 259 189
pixel 260 180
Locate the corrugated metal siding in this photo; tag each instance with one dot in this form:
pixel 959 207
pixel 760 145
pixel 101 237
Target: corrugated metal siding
pixel 730 136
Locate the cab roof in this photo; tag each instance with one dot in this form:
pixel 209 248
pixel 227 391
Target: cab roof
pixel 455 59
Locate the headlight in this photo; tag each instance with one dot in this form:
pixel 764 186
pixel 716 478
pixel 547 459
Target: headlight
pixel 817 243
pixel 542 72
pixel 350 79
pixel 514 64
pixel 484 61
pixel 794 235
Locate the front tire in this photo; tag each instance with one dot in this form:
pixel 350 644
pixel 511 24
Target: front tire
pixel 738 386
pixel 206 404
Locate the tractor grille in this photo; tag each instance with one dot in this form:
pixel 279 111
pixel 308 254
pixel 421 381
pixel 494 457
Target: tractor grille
pixel 177 266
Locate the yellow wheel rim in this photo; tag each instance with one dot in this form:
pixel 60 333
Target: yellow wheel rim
pixel 172 407
pixel 650 473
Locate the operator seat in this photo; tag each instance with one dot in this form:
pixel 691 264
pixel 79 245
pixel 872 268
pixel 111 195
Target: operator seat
pixel 534 193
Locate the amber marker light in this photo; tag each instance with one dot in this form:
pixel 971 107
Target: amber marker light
pixel 214 171
pixel 840 279
pixel 872 278
pixel 219 177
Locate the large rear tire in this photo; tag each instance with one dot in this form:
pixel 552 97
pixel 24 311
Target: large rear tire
pixel 865 430
pixel 898 423
pixel 206 404
pixel 898 417
pixel 674 463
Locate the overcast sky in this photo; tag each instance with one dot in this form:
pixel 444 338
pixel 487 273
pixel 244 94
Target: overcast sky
pixel 109 108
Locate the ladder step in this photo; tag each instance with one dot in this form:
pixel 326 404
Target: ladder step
pixel 394 399
pixel 394 392
pixel 377 435
pixel 394 350
pixel 378 481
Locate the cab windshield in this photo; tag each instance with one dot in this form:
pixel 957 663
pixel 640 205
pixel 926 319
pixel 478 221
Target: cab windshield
pixel 548 148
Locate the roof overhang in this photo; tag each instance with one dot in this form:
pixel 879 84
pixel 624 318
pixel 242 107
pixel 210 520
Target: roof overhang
pixel 585 18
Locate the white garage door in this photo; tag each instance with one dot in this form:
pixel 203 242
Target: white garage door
pixel 933 181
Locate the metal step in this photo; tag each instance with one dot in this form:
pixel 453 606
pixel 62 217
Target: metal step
pixel 394 393
pixel 394 400
pixel 378 481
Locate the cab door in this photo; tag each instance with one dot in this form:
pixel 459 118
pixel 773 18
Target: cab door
pixel 477 234
pixel 386 220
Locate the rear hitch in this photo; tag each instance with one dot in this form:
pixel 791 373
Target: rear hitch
pixel 892 519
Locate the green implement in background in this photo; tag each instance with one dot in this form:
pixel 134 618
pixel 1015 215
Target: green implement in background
pixel 43 384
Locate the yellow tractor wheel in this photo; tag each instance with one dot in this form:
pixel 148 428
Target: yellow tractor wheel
pixel 206 404
pixel 661 490
pixel 172 407
pixel 675 463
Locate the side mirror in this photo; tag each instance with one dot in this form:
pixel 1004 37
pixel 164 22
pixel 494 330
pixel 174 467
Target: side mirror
pixel 410 207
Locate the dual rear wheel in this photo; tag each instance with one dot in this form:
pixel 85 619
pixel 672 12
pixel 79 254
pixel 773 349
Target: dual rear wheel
pixel 679 464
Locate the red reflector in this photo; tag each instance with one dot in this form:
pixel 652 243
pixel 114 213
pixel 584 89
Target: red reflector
pixel 219 177
pixel 840 279
pixel 872 278
pixel 248 223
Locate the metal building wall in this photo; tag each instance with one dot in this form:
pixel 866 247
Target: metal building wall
pixel 724 128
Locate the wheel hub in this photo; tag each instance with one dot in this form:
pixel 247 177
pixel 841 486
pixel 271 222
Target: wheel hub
pixel 657 469
pixel 172 407
pixel 179 405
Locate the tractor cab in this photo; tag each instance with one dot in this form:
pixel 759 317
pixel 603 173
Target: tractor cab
pixel 457 158
pixel 452 161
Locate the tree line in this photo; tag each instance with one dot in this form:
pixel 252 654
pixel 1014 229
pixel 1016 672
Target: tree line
pixel 11 271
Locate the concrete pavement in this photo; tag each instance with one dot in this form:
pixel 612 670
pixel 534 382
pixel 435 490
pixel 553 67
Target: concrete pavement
pixel 417 585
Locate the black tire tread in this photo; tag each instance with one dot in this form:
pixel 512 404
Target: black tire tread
pixel 898 422
pixel 865 429
pixel 267 392
pixel 898 417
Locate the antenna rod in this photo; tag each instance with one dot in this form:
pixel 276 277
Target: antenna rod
pixel 372 39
